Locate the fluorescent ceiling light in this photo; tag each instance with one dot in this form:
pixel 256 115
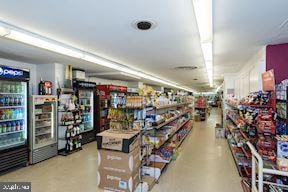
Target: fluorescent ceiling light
pixel 4 31
pixel 43 43
pixel 203 13
pixel 29 38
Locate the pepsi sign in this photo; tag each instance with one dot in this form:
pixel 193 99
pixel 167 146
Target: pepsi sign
pixel 11 73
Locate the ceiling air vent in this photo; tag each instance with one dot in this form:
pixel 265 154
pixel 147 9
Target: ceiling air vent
pixel 143 25
pixel 186 68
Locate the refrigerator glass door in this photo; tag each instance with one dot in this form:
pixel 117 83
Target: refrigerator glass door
pixel 44 123
pixel 86 100
pixel 13 114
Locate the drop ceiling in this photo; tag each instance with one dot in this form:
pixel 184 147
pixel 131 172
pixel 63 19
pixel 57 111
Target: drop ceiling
pixel 241 29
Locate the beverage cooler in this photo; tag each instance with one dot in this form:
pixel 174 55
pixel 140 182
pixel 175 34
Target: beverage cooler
pixel 43 132
pixel 85 92
pixel 108 96
pixel 13 118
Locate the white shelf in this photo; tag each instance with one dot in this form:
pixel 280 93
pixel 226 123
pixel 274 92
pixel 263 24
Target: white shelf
pixel 12 107
pixel 11 132
pixel 6 120
pixel 44 119
pixel 45 133
pixel 43 113
pixel 42 126
pixel 5 93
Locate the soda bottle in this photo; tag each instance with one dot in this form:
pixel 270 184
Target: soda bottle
pixel 6 103
pixel 21 125
pixel 4 128
pixel 12 88
pixel 8 129
pixel 17 125
pixel 16 100
pixel 11 100
pixel 21 100
pixel 2 100
pixel 13 126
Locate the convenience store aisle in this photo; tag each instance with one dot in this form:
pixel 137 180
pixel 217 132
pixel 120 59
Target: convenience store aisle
pixel 204 165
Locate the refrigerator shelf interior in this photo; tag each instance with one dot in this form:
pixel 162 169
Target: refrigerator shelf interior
pixel 42 126
pixel 44 119
pixel 6 120
pixel 8 93
pixel 12 144
pixel 43 113
pixel 11 132
pixel 44 133
pixel 11 107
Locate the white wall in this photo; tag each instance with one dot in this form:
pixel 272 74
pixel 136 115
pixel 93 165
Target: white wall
pixel 107 81
pixel 249 78
pixel 21 65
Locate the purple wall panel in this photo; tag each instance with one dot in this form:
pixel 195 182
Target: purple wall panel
pixel 277 59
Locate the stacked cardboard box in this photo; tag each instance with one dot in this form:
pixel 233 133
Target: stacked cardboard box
pixel 119 161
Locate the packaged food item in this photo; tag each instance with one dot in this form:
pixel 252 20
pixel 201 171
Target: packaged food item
pixel 282 164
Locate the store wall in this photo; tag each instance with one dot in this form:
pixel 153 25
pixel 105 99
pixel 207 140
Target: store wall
pixel 107 81
pixel 22 65
pixel 54 72
pixel 249 78
pixel 277 59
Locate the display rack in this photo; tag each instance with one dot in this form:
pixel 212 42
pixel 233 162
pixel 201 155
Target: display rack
pixel 259 170
pixel 249 122
pixel 155 162
pixel 69 119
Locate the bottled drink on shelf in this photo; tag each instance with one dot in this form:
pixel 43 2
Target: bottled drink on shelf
pixel 8 129
pixel 13 126
pixel 21 124
pixel 2 100
pixel 18 126
pixel 4 128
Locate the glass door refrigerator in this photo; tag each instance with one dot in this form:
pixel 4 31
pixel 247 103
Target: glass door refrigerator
pixel 43 132
pixel 13 118
pixel 85 92
pixel 108 96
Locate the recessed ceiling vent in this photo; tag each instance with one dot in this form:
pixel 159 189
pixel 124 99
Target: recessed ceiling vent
pixel 186 68
pixel 143 25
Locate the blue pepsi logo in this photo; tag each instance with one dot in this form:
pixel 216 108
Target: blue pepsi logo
pixel 10 72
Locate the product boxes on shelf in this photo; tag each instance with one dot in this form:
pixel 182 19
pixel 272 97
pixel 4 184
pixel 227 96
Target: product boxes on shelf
pixel 118 181
pixel 282 146
pixel 118 140
pixel 118 161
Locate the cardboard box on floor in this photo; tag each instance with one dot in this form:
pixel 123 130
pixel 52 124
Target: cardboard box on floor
pixel 118 140
pixel 219 131
pixel 119 161
pixel 118 181
pixel 197 118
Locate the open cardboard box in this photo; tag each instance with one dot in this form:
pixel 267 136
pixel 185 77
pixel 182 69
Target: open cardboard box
pixel 118 140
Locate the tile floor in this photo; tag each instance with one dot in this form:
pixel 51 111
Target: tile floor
pixel 204 165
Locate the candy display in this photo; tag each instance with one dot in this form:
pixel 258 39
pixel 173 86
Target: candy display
pixel 257 98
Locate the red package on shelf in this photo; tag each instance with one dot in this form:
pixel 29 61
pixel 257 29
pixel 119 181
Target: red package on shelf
pixel 266 127
pixel 268 155
pixel 266 144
